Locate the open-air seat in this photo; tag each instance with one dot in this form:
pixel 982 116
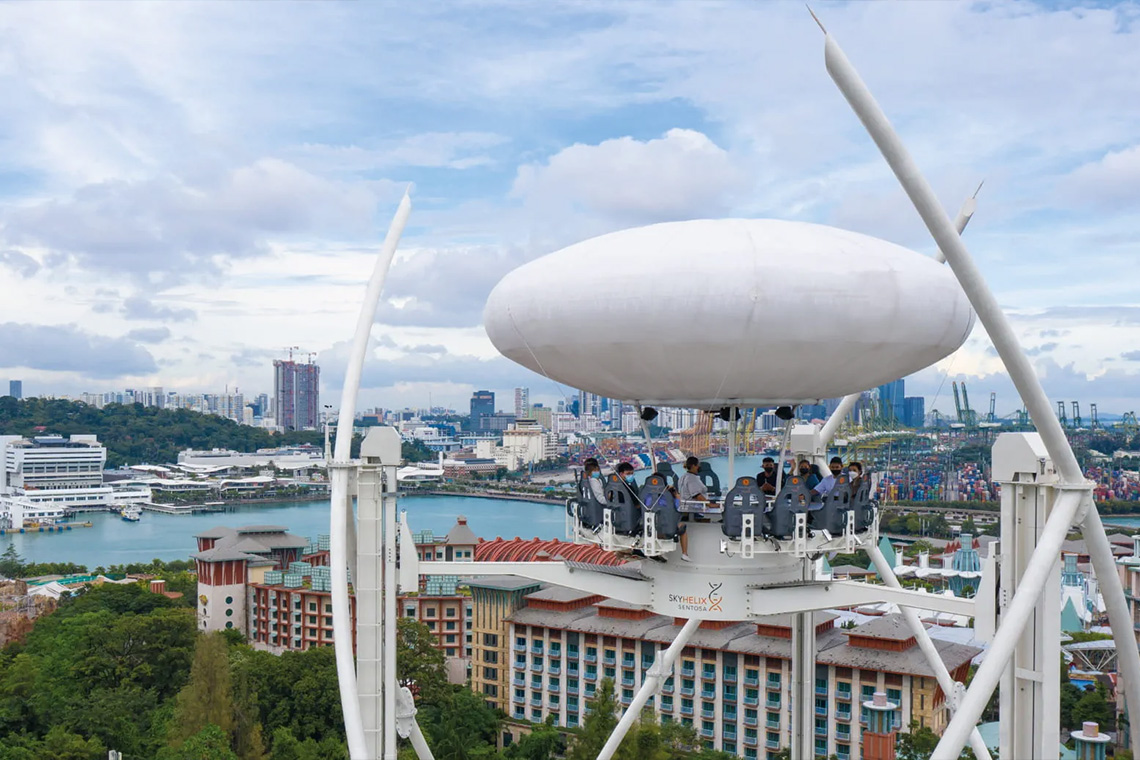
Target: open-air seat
pixel 794 498
pixel 623 505
pixel 661 505
pixel 745 498
pixel 831 514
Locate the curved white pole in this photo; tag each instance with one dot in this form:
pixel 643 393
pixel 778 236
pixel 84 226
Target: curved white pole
pixel 1079 495
pixel 339 471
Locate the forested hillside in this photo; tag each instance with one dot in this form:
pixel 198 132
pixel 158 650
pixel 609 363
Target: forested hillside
pixel 134 434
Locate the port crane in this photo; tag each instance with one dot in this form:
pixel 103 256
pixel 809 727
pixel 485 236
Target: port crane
pixel 1094 423
pixel 1061 416
pixel 1077 415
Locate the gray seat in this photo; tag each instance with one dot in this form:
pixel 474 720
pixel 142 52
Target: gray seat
pixel 657 500
pixel 665 470
pixel 589 508
pixel 863 505
pixel 710 479
pixel 794 498
pixel 745 498
pixel 832 512
pixel 624 507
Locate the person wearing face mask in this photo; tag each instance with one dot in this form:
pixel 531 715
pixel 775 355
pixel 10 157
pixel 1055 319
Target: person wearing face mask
pixel 625 472
pixel 767 477
pixel 823 488
pixel 592 471
pixel 855 475
pixel 805 472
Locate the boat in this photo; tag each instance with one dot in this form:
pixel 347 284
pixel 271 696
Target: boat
pixel 131 513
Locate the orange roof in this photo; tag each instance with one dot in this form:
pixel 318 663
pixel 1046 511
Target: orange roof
pixel 529 550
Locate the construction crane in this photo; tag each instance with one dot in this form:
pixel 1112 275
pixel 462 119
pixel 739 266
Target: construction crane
pixel 992 416
pixel 1064 420
pixel 958 403
pixel 311 355
pixel 1076 415
pixel 971 416
pixel 1094 423
pixel 291 349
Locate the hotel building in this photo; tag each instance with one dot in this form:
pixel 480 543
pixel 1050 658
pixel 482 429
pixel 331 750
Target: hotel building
pixel 731 684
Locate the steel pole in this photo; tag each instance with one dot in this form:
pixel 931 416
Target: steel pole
pixel 831 427
pixel 948 685
pixel 340 509
pixel 1009 350
pixel 388 510
pixel 653 678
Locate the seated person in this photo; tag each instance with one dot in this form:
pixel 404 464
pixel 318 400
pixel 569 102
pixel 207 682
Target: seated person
pixel 767 478
pixel 855 475
pixel 805 471
pixel 823 488
pixel 691 487
pixel 625 473
pixel 592 472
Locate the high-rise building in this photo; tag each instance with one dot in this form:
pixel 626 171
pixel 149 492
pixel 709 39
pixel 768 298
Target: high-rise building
pixel 16 388
pixel 522 403
pixel 297 394
pixel 891 399
pixel 482 405
pixel 914 411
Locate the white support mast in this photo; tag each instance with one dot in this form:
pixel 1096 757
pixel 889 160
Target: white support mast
pixel 1076 498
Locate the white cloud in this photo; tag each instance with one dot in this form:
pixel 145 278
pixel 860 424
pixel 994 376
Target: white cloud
pixel 681 175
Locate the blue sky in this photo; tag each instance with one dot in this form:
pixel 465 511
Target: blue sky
pixel 186 189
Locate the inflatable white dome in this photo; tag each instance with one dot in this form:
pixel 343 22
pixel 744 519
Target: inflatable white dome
pixel 708 313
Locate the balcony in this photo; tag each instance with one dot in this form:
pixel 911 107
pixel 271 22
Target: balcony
pixel 667 687
pixel 754 701
pixel 843 715
pixel 555 651
pixel 821 690
pixel 730 734
pixel 769 723
pixel 708 714
pixel 751 741
pixel 821 730
pixel 555 668
pixel 520 647
pixel 626 700
pixel 687 691
pixel 536 649
pixel 519 681
pixel 843 696
pixel 519 699
pixel 730 713
pixel 553 705
pixel 820 710
pixel 751 720
pixel 536 667
pixel 571 689
pixel 707 733
pixel 708 693
pixel 627 662
pixel 591 675
pixel 520 713
pixel 572 668
pixel 843 736
pixel 609 659
pixel 536 701
pixel 686 709
pixel 708 675
pixel 751 680
pixel 772 743
pixel 730 676
pixel 572 653
pixel 687 671
pixel 772 704
pixel 591 657
pixel 627 680
pixel 771 685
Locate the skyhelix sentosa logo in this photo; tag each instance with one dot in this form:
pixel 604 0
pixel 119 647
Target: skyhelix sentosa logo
pixel 710 603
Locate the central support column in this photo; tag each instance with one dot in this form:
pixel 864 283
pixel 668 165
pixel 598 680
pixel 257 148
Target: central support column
pixel 1030 685
pixel 801 701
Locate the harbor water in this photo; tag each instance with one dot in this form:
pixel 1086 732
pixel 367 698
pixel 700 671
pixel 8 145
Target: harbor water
pixel 112 541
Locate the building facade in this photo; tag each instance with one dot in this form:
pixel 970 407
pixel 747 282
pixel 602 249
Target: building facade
pixel 297 394
pixel 494 599
pixel 731 684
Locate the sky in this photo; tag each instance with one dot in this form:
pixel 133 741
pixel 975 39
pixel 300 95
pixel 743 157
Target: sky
pixel 188 189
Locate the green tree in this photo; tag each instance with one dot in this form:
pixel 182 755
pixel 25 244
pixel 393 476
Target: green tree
pixel 918 744
pixel 598 724
pixel 545 742
pixel 207 699
pixel 11 563
pixel 461 725
pixel 1093 705
pixel 419 662
pixel 211 743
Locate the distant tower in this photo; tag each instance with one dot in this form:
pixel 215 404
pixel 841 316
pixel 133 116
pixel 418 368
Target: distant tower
pixel 297 394
pixel 522 403
pixel 482 405
pixel 880 735
pixel 16 388
pixel 1091 744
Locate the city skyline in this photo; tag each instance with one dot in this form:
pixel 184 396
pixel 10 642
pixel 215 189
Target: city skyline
pixel 185 234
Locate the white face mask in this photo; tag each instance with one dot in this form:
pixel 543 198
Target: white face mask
pixel 852 474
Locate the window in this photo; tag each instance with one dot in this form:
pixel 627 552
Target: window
pixel 490 640
pixel 429 612
pixel 229 624
pixel 491 656
pixel 449 625
pixel 312 606
pixel 490 674
pixel 229 613
pixel 410 612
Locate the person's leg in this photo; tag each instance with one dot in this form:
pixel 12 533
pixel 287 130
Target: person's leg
pixel 684 538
